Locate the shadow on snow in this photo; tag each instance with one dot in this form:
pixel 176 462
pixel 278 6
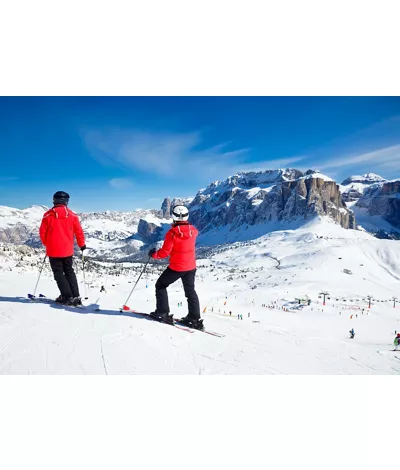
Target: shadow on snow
pixel 88 310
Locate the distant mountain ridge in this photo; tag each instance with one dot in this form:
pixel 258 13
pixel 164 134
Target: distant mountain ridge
pixel 240 203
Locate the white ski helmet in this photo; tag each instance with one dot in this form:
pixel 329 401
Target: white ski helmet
pixel 180 213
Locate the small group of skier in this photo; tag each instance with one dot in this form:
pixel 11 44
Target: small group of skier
pixel 60 226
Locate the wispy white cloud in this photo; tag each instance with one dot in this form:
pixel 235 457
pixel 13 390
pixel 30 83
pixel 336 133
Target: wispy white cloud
pixel 387 157
pixel 121 183
pixel 173 154
pixel 164 153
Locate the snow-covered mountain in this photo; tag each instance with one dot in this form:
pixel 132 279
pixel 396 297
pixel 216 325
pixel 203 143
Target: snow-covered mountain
pixel 378 210
pixel 353 188
pixel 20 226
pixel 118 235
pixel 268 199
pixel 374 201
pixel 110 234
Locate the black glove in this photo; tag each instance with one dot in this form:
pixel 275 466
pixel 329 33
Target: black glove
pixel 151 252
pixel 83 247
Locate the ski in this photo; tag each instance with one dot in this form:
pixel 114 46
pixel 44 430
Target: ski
pixel 147 315
pixel 208 332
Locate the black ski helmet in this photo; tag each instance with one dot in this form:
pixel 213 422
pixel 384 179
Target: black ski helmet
pixel 61 197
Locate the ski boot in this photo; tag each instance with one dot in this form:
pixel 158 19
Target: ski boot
pixel 59 300
pixel 195 323
pixel 76 301
pixel 162 317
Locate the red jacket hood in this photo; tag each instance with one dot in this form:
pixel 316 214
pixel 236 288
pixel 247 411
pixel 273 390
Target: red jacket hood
pixel 60 212
pixel 183 231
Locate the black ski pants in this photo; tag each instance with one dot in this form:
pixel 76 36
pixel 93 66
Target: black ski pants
pixel 168 277
pixel 64 275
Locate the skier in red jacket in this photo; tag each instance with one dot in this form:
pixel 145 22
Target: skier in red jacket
pixel 179 245
pixel 57 230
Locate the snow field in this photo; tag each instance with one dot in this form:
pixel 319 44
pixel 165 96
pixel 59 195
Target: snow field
pixel 280 339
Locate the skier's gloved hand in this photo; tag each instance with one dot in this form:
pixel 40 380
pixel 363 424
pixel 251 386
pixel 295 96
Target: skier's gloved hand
pixel 83 247
pixel 151 252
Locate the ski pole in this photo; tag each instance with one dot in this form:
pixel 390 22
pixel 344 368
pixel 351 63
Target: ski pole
pixel 40 272
pixel 84 277
pixel 124 307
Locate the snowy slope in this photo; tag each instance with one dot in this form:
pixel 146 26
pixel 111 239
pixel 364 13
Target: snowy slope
pixel 283 338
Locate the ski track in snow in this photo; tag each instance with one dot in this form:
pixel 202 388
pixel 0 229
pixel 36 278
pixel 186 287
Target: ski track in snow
pixel 41 338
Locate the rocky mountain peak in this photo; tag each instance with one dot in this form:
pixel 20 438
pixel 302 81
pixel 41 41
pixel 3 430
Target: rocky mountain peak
pixel 253 198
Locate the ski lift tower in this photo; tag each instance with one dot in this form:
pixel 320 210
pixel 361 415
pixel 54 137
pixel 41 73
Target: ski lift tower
pixel 394 301
pixel 325 294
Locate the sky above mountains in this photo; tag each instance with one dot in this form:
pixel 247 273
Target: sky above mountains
pixel 123 153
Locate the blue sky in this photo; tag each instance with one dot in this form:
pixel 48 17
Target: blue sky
pixel 120 153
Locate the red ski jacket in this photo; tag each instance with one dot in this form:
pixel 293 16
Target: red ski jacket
pixel 179 244
pixel 57 230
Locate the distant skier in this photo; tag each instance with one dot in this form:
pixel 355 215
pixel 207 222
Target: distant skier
pixel 352 333
pixel 57 230
pixel 179 245
pixel 396 341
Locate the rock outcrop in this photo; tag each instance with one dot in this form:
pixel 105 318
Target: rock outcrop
pixel 146 229
pixel 383 199
pixel 269 196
